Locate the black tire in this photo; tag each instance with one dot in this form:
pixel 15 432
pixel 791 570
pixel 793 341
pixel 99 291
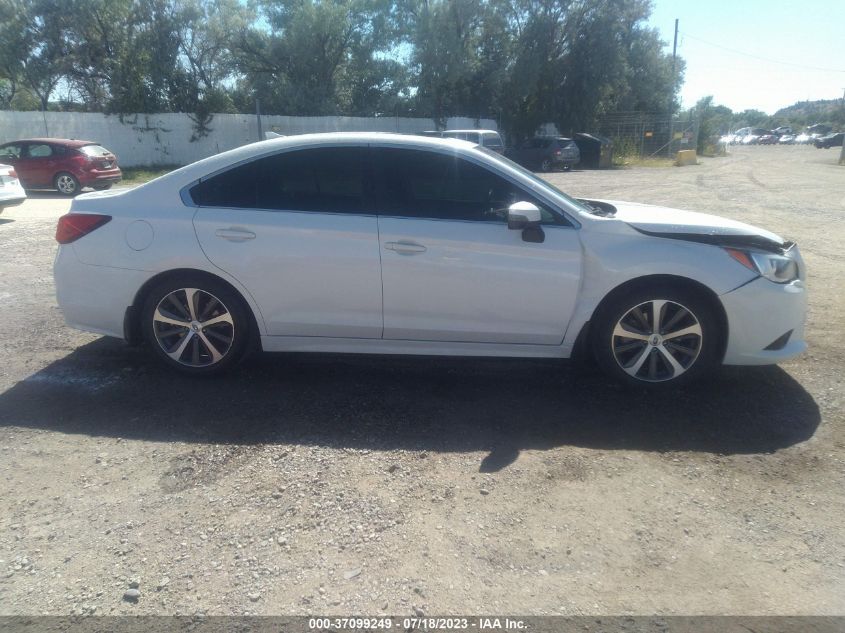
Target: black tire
pixel 102 187
pixel 196 357
pixel 66 184
pixel 658 372
pixel 546 165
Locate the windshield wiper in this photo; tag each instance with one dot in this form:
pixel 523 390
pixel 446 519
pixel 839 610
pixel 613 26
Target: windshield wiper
pixel 601 209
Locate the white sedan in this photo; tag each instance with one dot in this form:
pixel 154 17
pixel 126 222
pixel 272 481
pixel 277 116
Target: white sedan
pixel 392 244
pixel 11 191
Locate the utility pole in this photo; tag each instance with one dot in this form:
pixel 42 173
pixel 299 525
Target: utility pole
pixel 672 92
pixel 842 151
pixel 258 118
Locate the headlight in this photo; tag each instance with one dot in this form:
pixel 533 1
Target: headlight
pixel 773 267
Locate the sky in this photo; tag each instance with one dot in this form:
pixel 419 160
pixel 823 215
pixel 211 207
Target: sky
pixel 762 54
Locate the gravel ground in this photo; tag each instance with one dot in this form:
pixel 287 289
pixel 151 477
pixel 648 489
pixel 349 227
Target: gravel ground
pixel 326 484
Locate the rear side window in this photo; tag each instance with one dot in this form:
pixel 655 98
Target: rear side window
pixel 94 151
pixel 40 150
pixel 421 184
pixel 321 180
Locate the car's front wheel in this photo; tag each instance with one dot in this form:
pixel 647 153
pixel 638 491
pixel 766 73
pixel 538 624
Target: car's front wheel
pixel 196 324
pixel 657 337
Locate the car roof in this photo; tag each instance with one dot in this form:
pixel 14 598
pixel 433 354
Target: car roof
pixel 230 158
pixel 68 142
pixel 464 131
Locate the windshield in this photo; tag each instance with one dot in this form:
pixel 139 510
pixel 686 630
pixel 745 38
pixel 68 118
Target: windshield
pixel 573 204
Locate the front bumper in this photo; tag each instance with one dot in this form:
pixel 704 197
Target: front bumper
pixel 759 314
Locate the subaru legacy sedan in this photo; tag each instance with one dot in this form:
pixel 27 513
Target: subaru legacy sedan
pixel 391 244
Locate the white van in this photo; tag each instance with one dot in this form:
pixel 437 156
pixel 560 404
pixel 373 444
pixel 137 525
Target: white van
pixel 486 138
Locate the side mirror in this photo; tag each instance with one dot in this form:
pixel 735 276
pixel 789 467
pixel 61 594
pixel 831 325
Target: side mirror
pixel 522 215
pixel 526 217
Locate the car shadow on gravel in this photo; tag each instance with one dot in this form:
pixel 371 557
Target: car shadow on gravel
pixel 501 406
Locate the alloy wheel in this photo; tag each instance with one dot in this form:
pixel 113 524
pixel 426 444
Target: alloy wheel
pixel 657 340
pixel 193 327
pixel 66 184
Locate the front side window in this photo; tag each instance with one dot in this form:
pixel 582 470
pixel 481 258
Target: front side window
pixel 329 179
pixel 424 184
pixel 11 151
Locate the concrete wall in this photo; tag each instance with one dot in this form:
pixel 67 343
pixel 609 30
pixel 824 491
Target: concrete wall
pixel 170 139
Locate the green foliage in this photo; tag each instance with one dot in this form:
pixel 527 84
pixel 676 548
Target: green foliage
pixel 522 62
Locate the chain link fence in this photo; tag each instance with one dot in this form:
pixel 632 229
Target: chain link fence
pixel 642 135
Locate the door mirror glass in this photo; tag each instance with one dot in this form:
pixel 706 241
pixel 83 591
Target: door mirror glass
pixel 522 215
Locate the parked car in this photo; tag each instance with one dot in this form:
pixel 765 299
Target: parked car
pixel 803 138
pixel 546 153
pixel 486 138
pixel 394 244
pixel 768 139
pixel 787 139
pixel 11 191
pixel 783 129
pixel 65 165
pixel 831 140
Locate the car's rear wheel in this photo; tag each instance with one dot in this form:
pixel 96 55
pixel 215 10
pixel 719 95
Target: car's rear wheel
pixel 196 324
pixel 546 165
pixel 66 184
pixel 654 337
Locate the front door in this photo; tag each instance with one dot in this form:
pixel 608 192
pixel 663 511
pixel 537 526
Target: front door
pixel 13 154
pixel 451 268
pixel 296 229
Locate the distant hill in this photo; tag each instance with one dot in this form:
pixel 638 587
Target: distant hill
pixel 831 111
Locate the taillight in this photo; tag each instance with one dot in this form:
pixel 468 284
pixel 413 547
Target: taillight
pixel 558 152
pixel 13 173
pixel 75 225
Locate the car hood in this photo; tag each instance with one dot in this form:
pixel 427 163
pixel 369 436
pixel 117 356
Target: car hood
pixel 696 227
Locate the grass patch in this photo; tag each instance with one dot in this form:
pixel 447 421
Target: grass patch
pixel 625 162
pixel 140 175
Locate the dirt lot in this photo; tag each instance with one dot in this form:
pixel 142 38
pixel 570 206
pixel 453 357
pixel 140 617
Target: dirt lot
pixel 325 484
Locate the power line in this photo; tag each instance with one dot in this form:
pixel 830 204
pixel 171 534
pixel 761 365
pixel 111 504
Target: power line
pixel 766 59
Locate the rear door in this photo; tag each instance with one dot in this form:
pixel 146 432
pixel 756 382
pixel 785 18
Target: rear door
pixel 40 164
pixel 451 268
pixel 298 231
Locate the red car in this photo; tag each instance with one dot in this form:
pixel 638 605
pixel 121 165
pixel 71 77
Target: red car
pixel 65 165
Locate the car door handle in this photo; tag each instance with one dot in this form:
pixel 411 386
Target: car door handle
pixel 235 235
pixel 405 248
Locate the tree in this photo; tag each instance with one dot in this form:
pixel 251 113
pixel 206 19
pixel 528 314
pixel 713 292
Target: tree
pixel 33 53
